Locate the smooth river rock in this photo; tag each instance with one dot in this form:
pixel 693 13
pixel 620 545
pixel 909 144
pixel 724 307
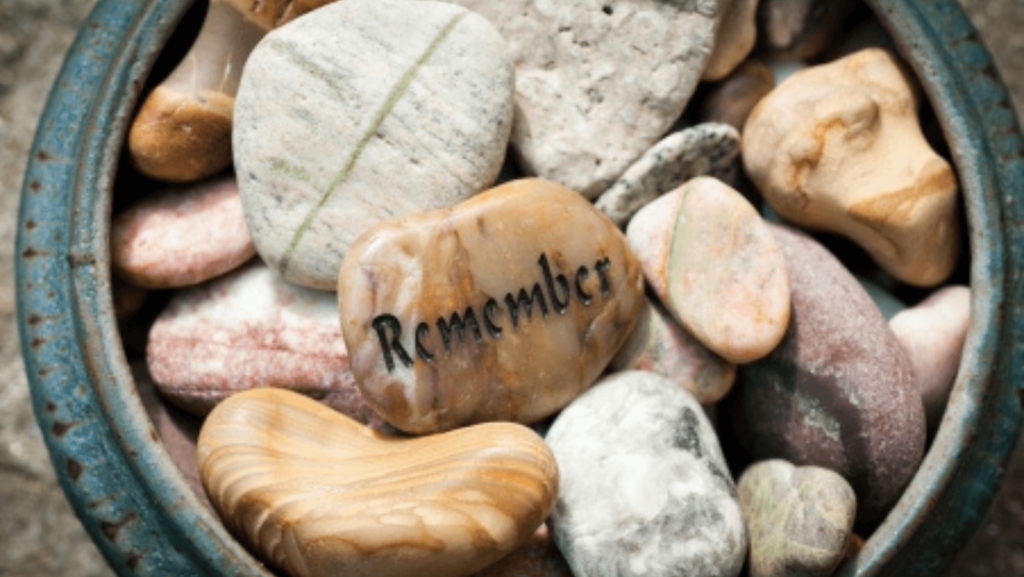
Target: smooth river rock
pixel 504 307
pixel 316 494
pixel 799 519
pixel 712 261
pixel 364 111
pixel 801 29
pixel 733 99
pixel 838 392
pixel 644 488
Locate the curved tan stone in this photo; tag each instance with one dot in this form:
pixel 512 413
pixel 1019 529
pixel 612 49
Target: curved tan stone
pixel 839 148
pixel 737 34
pixel 504 307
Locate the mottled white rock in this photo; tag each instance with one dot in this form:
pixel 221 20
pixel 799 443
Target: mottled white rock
pixel 736 38
pixel 644 488
pixel 708 149
pixel 362 111
pixel 598 83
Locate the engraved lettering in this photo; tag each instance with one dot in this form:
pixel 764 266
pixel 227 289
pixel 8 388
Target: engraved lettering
pixel 560 305
pixel 602 267
pixel 581 277
pixel 490 308
pixel 381 324
pixel 422 330
pixel 458 324
pixel 526 301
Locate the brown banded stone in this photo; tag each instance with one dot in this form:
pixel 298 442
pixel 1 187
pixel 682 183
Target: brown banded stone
pixel 504 307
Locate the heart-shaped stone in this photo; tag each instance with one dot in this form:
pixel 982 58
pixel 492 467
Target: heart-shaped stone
pixel 316 493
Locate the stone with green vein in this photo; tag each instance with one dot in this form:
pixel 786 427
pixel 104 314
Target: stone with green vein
pixel 363 111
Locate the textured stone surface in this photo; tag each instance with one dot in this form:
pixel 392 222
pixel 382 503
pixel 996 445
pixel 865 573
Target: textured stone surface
pixel 801 29
pixel 736 37
pixel 317 494
pixel 181 237
pixel 504 307
pixel 644 488
pixel 799 519
pixel 706 149
pixel 251 329
pixel 735 97
pixel 839 391
pixel 366 111
pixel 659 345
pixel 839 147
pixel 711 260
pixel 598 83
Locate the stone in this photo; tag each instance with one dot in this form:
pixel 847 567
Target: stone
pixel 736 37
pixel 538 557
pixel 839 148
pixel 659 345
pixel 802 29
pixel 799 519
pixel 368 111
pixel 709 149
pixel 181 236
pixel 251 329
pixel 504 307
pixel 598 83
pixel 127 298
pixel 317 494
pixel 732 100
pixel 933 334
pixel 644 488
pixel 712 261
pixel 838 392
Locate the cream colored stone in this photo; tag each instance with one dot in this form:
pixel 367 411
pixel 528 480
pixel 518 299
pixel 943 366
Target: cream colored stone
pixel 504 307
pixel 316 494
pixel 737 34
pixel 712 261
pixel 839 148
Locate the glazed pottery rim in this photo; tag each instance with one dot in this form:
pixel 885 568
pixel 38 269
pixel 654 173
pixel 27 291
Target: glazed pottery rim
pixel 134 502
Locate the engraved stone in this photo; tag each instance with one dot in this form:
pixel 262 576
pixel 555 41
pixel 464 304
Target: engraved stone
pixel 364 111
pixel 712 261
pixel 316 494
pixel 504 307
pixel 644 488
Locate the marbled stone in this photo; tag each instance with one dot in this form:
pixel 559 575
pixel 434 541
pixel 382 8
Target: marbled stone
pixel 598 83
pixel 251 329
pixel 366 111
pixel 839 147
pixel 659 345
pixel 838 392
pixel 712 261
pixel 799 519
pixel 504 307
pixel 317 494
pixel 181 236
pixel 706 149
pixel 736 37
pixel 735 96
pixel 933 334
pixel 644 488
pixel 801 29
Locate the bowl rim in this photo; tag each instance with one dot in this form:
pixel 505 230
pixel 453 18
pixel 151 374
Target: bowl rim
pixel 136 506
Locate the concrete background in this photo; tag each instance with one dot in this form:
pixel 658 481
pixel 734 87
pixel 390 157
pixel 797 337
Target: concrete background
pixel 39 534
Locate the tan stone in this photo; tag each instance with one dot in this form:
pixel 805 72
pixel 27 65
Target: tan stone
pixel 712 261
pixel 839 148
pixel 504 307
pixel 737 34
pixel 317 494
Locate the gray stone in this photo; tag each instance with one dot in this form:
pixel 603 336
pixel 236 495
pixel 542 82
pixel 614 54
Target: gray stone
pixel 362 111
pixel 644 489
pixel 708 149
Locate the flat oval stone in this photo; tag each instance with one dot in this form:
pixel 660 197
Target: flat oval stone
pixel 181 236
pixel 838 392
pixel 712 261
pixel 366 111
pixel 251 329
pixel 800 519
pixel 504 307
pixel 317 494
pixel 644 488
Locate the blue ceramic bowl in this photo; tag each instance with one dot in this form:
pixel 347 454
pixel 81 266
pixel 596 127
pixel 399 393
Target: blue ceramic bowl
pixel 136 505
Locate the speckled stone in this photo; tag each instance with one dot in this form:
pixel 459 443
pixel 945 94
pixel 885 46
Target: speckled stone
pixel 644 488
pixel 659 345
pixel 736 37
pixel 181 236
pixel 801 29
pixel 365 111
pixel 839 391
pixel 711 260
pixel 504 307
pixel 598 83
pixel 732 100
pixel 706 149
pixel 799 519
pixel 251 329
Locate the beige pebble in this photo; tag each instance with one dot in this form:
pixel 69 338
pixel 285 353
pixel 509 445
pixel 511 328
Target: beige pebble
pixel 737 34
